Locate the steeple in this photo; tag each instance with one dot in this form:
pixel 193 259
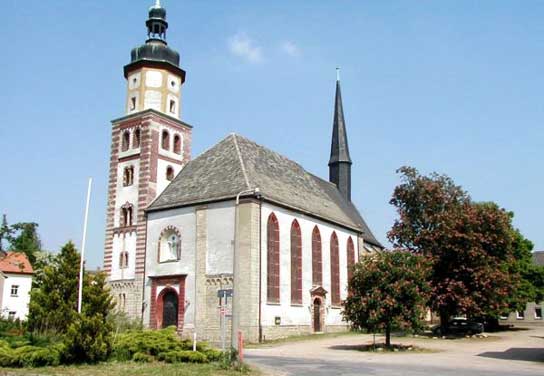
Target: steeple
pixel 340 161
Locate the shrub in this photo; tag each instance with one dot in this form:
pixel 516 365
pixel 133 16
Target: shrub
pixel 214 355
pixel 31 356
pixel 151 342
pixel 183 356
pixel 88 340
pixel 142 357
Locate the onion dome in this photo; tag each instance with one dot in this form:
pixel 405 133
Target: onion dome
pixel 155 50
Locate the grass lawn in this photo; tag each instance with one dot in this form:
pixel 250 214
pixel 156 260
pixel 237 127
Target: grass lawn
pixel 129 369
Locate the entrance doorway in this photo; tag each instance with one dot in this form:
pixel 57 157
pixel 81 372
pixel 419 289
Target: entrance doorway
pixel 170 309
pixel 317 315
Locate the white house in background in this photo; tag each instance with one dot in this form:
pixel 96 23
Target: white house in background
pixel 15 284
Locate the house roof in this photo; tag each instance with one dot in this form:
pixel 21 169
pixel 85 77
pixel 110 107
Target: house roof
pixel 15 262
pixel 236 164
pixel 538 257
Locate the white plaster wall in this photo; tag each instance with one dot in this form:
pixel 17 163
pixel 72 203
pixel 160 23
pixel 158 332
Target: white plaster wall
pixel 153 99
pixel 300 315
pixel 123 242
pixel 184 220
pixel 19 303
pixel 220 238
pixel 162 165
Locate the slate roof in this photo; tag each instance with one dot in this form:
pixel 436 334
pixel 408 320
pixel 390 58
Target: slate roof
pixel 538 257
pixel 15 262
pixel 236 164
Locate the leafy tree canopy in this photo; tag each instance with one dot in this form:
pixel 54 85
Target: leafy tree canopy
pixel 473 248
pixel 388 290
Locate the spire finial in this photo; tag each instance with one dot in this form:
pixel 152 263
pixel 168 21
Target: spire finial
pixel 158 3
pixel 337 73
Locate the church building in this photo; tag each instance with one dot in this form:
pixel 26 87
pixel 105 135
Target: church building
pixel 239 238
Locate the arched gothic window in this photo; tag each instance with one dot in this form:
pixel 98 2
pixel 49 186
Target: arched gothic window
pixel 125 142
pixel 136 138
pixel 128 176
pixel 126 215
pixel 350 258
pixel 273 259
pixel 177 144
pixel 165 140
pixel 335 271
pixel 317 258
pixel 169 245
pixel 169 173
pixel 296 264
pixel 123 260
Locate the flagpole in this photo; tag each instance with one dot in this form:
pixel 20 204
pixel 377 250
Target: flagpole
pixel 82 261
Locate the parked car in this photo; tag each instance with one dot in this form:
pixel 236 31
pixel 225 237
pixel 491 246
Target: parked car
pixel 460 326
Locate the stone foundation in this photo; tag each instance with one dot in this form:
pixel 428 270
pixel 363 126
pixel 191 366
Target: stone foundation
pixel 131 303
pixel 284 331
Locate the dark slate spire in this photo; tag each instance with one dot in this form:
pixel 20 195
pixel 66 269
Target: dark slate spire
pixel 340 161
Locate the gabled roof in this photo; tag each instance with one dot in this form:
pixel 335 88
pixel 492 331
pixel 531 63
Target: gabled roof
pixel 236 164
pixel 538 257
pixel 15 262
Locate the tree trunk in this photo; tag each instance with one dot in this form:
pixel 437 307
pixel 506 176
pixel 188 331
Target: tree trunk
pixel 388 335
pixel 444 318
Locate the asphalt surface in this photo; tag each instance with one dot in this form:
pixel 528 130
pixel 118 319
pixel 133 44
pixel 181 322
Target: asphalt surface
pixel 312 367
pixel 514 353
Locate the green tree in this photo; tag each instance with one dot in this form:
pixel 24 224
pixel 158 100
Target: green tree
pixel 24 238
pixel 53 298
pixel 470 245
pixel 388 290
pixel 53 307
pixel 89 337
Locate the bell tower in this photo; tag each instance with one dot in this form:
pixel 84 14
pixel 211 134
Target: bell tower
pixel 149 146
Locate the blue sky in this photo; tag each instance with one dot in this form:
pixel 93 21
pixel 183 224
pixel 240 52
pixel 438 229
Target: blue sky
pixel 449 86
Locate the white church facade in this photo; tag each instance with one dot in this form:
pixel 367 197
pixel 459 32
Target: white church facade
pixel 239 237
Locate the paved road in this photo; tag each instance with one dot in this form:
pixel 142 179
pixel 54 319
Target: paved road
pixel 506 354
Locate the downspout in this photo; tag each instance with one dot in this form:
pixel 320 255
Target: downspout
pixel 260 265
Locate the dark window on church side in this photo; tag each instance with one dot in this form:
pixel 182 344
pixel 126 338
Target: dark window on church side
pixel 317 261
pixel 125 142
pixel 172 106
pixel 335 271
pixel 169 173
pixel 136 139
pixel 273 260
pixel 296 264
pixel 165 140
pixel 350 258
pixel 177 144
pixel 132 103
pixel 128 176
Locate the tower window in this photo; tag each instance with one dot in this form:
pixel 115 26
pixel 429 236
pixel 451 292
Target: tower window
pixel 173 106
pixel 165 140
pixel 132 103
pixel 123 260
pixel 128 176
pixel 177 144
pixel 136 139
pixel 126 215
pixel 169 173
pixel 125 142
